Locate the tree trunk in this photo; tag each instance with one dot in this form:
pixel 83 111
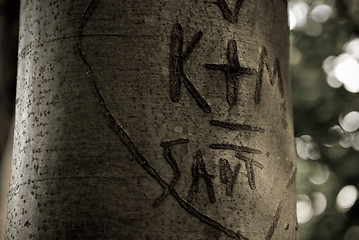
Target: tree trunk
pixel 153 120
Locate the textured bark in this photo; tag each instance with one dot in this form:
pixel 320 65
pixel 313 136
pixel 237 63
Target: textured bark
pixel 153 120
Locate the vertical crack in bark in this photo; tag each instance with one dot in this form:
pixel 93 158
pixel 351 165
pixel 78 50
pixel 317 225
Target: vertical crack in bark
pixel 278 211
pixel 125 139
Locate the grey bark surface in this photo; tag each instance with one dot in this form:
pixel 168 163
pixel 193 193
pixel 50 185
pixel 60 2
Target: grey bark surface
pixel 153 120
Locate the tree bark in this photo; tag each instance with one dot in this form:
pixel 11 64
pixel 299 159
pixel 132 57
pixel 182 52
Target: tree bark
pixel 153 120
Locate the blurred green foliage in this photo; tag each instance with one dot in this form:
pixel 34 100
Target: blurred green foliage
pixel 323 37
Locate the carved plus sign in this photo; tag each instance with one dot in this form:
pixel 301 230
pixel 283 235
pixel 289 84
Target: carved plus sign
pixel 233 70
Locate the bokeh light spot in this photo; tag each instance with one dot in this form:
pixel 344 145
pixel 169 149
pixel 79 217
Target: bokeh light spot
pixel 304 208
pixel 298 12
pixel 346 70
pixel 328 64
pixel 319 203
pixel 352 47
pixel 321 13
pixel 306 148
pixel 350 122
pixel 312 28
pixel 333 81
pixel 346 198
pixel 319 174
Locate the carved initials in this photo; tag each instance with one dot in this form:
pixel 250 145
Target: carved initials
pixel 233 70
pixel 249 163
pixel 176 73
pixel 228 176
pixel 249 168
pixel 167 154
pixel 227 13
pixel 273 73
pixel 199 171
